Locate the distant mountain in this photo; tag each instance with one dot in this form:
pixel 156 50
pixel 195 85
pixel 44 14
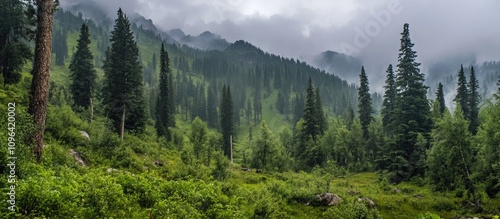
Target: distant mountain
pixel 205 41
pixel 92 11
pixel 342 65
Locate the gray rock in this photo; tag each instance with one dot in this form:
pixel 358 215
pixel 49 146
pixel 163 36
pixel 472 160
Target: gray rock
pixel 77 157
pixel 370 203
pixel 85 135
pixel 328 199
pixel 111 170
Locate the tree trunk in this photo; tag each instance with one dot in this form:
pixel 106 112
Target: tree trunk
pixel 122 125
pixel 41 72
pixel 91 110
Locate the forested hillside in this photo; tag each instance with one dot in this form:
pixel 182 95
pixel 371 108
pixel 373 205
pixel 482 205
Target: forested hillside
pixel 140 125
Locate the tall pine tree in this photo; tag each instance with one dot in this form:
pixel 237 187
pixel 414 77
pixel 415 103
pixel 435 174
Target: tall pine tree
pixel 462 97
pixel 212 115
pixel 474 99
pixel 164 97
pixel 123 88
pixel 320 113
pixel 440 99
pixel 83 73
pixel 310 115
pixel 389 104
pixel 14 33
pixel 365 109
pixel 412 114
pixel 226 119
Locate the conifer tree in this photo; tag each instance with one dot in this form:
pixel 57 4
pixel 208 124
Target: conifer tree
pixel 123 88
pixel 162 104
pixel 389 104
pixel 320 114
pixel 83 73
pixel 473 102
pixel 440 99
pixel 412 114
pixel 365 109
pixel 14 33
pixel 310 115
pixel 226 118
pixel 462 97
pixel 248 111
pixel 212 116
pixel 171 96
pixel 298 107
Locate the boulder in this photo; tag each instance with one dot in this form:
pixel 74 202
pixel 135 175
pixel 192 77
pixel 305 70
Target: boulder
pixel 396 190
pixel 85 135
pixel 370 203
pixel 111 170
pixel 328 199
pixel 77 157
pixel 158 163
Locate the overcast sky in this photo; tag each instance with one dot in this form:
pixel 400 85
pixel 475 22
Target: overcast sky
pixel 369 29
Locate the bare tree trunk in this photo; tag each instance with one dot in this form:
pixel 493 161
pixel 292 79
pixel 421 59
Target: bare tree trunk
pixel 91 110
pixel 41 72
pixel 122 125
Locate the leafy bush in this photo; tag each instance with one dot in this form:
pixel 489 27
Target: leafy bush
pixel 351 210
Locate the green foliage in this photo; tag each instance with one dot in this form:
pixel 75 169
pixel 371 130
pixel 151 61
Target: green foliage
pixel 265 150
pixel 220 172
pixel 429 215
pixel 488 139
pixel 451 155
pixel 351 210
pixel 199 137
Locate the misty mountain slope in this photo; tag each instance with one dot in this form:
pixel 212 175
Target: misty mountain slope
pixel 344 66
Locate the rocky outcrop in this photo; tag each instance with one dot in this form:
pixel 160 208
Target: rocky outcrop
pixel 368 202
pixel 328 199
pixel 77 157
pixel 85 135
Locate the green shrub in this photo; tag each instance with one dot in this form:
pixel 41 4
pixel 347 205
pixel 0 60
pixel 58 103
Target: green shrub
pixel 428 215
pixel 351 210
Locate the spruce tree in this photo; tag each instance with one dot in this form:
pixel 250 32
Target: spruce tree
pixel 162 104
pixel 123 88
pixel 473 102
pixel 440 99
pixel 310 115
pixel 365 109
pixel 83 73
pixel 171 96
pixel 320 113
pixel 212 116
pixel 412 114
pixel 389 104
pixel 226 119
pixel 14 33
pixel 462 96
